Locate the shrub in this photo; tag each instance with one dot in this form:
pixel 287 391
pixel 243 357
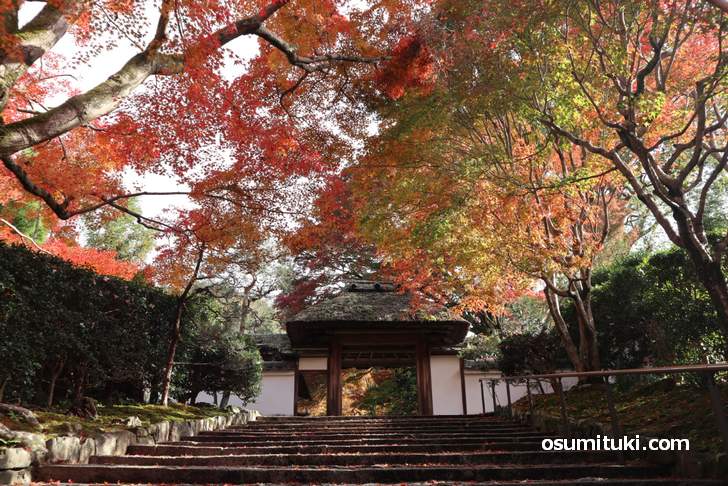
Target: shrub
pixel 651 309
pixel 531 353
pixel 66 331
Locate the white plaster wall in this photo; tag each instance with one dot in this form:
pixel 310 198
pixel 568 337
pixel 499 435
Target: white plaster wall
pixel 518 391
pixel 313 363
pixel 276 394
pixel 447 395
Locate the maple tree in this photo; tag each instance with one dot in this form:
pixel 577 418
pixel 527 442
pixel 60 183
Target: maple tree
pixel 573 107
pixel 209 250
pixel 171 106
pixel 641 85
pixel 327 248
pixel 474 212
pixel 242 137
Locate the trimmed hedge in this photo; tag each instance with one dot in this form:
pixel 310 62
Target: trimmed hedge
pixel 96 334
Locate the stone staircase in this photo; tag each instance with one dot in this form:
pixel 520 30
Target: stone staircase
pixel 354 450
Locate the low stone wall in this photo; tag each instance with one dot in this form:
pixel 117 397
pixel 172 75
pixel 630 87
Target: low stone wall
pixel 690 464
pixel 16 463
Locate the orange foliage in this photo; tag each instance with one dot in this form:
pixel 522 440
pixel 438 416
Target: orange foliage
pixel 411 66
pixel 103 262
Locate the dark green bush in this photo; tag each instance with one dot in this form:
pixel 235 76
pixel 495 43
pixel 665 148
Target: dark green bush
pixel 220 360
pixel 531 353
pixel 93 333
pixel 69 332
pixel 651 309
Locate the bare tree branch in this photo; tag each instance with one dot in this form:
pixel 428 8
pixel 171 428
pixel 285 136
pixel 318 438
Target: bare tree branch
pixel 35 39
pixel 108 95
pixel 24 236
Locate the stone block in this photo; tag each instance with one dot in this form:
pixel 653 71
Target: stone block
pixel 160 431
pixel 17 478
pixel 178 430
pixel 88 449
pixel 35 443
pixel 113 443
pixel 64 449
pixel 145 440
pixel 14 458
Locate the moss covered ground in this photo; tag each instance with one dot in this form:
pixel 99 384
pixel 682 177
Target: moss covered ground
pixel 110 418
pixel 664 409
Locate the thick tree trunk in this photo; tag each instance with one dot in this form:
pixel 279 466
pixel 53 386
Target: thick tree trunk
pixel 171 352
pixel 708 268
pixel 569 346
pixel 78 384
pixel 108 95
pixel 54 378
pixel 583 340
pixel 711 276
pixel 3 384
pixel 193 395
pixel 154 392
pixel 225 399
pixel 582 303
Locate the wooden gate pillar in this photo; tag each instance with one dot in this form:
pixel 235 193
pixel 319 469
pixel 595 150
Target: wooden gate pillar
pixel 424 378
pixel 333 385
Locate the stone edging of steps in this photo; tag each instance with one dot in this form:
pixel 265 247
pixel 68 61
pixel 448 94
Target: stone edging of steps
pixel 17 463
pixel 690 464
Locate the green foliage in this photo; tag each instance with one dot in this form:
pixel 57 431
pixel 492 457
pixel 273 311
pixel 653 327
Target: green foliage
pixel 528 314
pixel 531 353
pixel 221 361
pixel 395 395
pixel 98 333
pixel 120 232
pixel 481 347
pixel 106 336
pixel 27 217
pixel 651 309
pixel 262 318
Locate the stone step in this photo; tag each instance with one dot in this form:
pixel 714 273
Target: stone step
pixel 387 420
pixel 573 482
pixel 317 422
pixel 390 418
pixel 278 429
pixel 451 450
pixel 354 440
pixel 323 432
pixel 349 459
pixel 349 475
pixel 243 437
pixel 202 449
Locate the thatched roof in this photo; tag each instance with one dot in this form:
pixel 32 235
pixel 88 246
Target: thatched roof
pixel 374 308
pixel 372 302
